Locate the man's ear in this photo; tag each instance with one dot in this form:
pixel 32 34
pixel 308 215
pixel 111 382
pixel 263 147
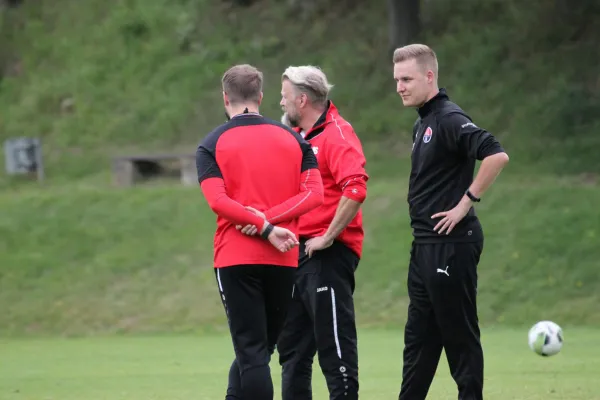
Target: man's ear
pixel 430 76
pixel 260 98
pixel 225 99
pixel 303 99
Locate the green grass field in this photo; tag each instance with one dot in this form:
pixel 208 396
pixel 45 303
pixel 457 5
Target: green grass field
pixel 196 367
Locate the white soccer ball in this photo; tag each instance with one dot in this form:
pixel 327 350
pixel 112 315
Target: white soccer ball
pixel 546 338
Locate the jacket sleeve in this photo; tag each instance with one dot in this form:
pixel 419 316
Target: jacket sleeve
pixel 212 184
pixel 346 162
pixel 467 139
pixel 310 192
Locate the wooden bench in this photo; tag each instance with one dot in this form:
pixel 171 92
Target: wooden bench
pixel 127 170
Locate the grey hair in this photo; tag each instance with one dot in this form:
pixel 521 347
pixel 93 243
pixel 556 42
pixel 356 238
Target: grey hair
pixel 309 80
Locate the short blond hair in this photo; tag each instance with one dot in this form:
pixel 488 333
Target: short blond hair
pixel 309 80
pixel 423 54
pixel 243 83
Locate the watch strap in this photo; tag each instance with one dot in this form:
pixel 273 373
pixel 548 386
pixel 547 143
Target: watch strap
pixel 472 197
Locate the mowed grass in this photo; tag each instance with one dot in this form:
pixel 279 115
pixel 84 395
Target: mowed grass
pixel 187 367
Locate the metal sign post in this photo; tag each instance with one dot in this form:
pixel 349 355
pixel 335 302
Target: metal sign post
pixel 24 156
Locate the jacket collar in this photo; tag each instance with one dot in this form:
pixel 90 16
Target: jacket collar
pixel 328 116
pixel 433 103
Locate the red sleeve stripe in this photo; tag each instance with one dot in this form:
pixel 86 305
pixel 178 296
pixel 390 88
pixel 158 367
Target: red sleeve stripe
pixel 338 126
pixel 310 196
pixel 305 189
pixel 353 180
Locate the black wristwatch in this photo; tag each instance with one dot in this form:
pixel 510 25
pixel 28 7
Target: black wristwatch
pixel 267 231
pixel 472 197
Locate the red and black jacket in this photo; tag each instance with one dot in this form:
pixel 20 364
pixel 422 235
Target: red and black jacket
pixel 342 166
pixel 261 163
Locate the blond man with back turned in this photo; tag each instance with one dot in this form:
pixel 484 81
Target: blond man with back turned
pixel 251 162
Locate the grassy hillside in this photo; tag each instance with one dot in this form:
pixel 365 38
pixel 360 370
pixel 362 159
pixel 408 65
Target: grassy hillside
pixel 105 261
pixel 99 78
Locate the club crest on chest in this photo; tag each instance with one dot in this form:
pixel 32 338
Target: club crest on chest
pixel 427 135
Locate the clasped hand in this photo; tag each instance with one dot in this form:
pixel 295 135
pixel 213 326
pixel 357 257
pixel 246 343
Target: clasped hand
pixel 282 239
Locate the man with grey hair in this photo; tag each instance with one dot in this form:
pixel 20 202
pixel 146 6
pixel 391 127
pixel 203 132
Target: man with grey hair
pixel 321 316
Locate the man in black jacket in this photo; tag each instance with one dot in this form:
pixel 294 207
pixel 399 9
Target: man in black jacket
pixel 448 238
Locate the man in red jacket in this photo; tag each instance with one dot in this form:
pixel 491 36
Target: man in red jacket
pixel 251 161
pixel 321 316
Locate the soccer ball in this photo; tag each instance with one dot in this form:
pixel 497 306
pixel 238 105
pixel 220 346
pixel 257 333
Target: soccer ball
pixel 545 338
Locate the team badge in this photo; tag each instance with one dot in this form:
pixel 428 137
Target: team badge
pixel 427 135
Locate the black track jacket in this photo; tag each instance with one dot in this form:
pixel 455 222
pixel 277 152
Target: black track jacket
pixel 446 145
